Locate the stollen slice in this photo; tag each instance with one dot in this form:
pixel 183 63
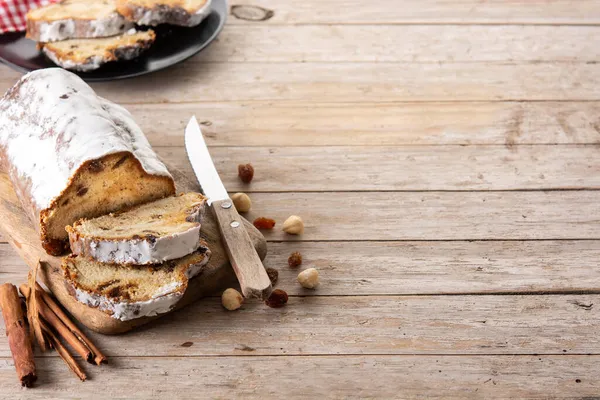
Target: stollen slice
pixel 156 12
pixel 90 54
pixel 130 292
pixel 152 233
pixel 71 19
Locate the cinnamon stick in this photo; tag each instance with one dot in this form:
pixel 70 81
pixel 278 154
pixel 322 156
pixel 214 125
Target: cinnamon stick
pixel 98 357
pixel 63 352
pixel 52 319
pixel 19 340
pixel 33 314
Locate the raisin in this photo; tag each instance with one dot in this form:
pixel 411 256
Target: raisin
pixel 278 298
pixel 273 275
pixel 55 247
pixel 264 223
pixel 81 191
pixel 64 97
pixel 95 166
pixel 246 172
pixel 114 292
pixel 120 162
pixel 295 259
pixel 64 203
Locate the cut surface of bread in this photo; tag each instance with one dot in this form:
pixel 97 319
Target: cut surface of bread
pixel 152 233
pixel 129 292
pixel 156 12
pixel 91 54
pixel 71 154
pixel 75 19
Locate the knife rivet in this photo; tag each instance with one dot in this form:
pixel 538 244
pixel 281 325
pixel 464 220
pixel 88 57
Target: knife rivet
pixel 226 204
pixel 235 224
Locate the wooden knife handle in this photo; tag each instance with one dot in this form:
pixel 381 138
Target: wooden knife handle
pixel 246 264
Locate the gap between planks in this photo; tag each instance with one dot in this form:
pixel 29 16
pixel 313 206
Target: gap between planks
pixel 321 377
pixel 326 82
pixel 371 325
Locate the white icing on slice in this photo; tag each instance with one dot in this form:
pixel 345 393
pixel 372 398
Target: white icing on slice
pixel 142 251
pixel 164 300
pixel 64 29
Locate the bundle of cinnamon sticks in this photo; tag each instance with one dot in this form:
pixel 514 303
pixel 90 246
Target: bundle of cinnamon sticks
pixel 47 323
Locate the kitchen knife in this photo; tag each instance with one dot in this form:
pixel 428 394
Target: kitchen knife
pixel 246 264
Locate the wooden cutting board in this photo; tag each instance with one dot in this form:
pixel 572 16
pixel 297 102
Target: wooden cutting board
pixel 19 231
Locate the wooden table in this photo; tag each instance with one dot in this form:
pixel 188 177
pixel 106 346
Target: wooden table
pixel 444 156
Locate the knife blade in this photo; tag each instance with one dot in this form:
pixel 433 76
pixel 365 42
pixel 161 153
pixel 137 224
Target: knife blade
pixel 246 264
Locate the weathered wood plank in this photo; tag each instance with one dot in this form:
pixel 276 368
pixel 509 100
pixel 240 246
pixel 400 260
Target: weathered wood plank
pixel 389 168
pixel 417 11
pixel 318 377
pixel 355 82
pixel 365 124
pixel 407 268
pixel 543 324
pixel 403 43
pixel 433 215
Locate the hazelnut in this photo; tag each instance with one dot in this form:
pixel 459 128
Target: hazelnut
pixel 293 225
pixel 232 299
pixel 246 172
pixel 273 275
pixel 242 202
pixel 309 278
pixel 278 298
pixel 295 259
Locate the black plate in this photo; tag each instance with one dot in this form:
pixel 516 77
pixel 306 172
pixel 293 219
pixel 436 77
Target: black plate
pixel 173 44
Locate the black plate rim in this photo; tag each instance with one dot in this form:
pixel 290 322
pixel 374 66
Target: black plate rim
pixel 87 78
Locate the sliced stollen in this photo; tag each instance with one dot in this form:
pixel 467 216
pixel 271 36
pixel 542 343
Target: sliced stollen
pixel 70 19
pixel 130 292
pixel 152 233
pixel 71 154
pixel 156 12
pixel 91 54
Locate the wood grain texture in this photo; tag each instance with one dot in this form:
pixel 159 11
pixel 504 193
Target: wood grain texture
pixel 444 377
pixel 241 252
pixel 360 82
pixel 403 43
pixel 363 216
pixel 329 325
pixel 417 268
pixel 397 168
pixel 417 12
pixel 19 231
pixel 355 82
pixel 368 124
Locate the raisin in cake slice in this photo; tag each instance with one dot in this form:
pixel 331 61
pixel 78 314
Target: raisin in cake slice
pixel 130 292
pixel 156 12
pixel 163 230
pixel 71 154
pixel 91 54
pixel 70 19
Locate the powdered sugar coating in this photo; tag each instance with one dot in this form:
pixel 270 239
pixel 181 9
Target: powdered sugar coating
pixel 53 31
pixel 51 122
pixel 164 300
pixel 165 14
pixel 123 53
pixel 90 64
pixel 143 251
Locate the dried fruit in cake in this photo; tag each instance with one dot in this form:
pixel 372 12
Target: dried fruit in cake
pixel 71 154
pixel 70 19
pixel 90 54
pixel 151 233
pixel 130 292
